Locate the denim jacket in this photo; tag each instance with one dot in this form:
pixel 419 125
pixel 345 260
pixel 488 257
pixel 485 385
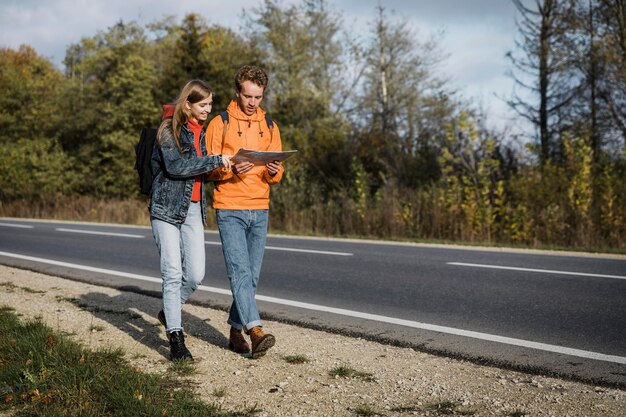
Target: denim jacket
pixel 174 174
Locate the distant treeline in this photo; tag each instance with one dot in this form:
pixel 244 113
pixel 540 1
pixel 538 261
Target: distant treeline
pixel 387 148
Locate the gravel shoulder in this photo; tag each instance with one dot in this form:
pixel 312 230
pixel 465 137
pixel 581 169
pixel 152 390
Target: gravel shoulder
pixel 393 381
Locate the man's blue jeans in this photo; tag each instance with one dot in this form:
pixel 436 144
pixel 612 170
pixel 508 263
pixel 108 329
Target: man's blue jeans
pixel 243 234
pixel 181 247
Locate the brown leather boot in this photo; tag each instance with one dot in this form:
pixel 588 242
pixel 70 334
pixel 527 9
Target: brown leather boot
pixel 261 342
pixel 237 343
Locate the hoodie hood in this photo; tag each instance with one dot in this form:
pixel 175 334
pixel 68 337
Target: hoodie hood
pixel 235 112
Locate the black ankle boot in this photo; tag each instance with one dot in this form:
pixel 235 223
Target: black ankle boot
pixel 178 349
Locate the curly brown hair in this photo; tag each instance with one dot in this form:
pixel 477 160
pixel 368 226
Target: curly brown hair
pixel 251 73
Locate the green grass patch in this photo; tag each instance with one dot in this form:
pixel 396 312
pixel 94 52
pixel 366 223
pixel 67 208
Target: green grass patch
pixel 364 410
pixel 296 359
pixel 348 372
pixel 449 408
pixel 30 290
pixel 9 286
pixel 183 367
pixel 443 407
pixel 220 392
pixel 44 373
pixel 96 328
pixel 406 409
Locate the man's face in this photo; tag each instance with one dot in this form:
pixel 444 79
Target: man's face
pixel 249 98
pixel 200 110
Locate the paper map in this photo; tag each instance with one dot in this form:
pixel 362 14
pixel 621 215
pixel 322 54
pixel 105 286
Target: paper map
pixel 260 157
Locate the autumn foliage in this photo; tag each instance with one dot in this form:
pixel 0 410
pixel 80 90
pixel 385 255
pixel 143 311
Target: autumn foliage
pixel 387 149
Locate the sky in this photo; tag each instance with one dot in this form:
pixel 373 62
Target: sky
pixel 476 34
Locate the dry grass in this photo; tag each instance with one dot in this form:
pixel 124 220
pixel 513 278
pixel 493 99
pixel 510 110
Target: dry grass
pixel 396 217
pixel 86 209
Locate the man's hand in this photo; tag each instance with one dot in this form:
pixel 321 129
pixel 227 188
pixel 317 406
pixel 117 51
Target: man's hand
pixel 273 167
pixel 242 167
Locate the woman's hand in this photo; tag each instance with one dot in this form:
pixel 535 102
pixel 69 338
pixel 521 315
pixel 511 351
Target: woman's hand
pixel 226 161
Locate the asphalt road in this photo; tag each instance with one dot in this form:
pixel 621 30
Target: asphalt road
pixel 556 314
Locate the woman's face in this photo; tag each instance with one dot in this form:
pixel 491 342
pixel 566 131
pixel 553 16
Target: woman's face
pixel 200 110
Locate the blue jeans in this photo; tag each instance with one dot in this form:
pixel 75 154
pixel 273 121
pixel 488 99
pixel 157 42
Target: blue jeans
pixel 243 234
pixel 181 248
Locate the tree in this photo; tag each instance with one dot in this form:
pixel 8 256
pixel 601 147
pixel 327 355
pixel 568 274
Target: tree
pixel 544 70
pixel 194 50
pixel 109 99
pixel 28 88
pixel 595 112
pixel 611 16
pixel 183 63
pixel 35 169
pixel 32 164
pixel 223 52
pixel 305 53
pixel 302 45
pixel 403 104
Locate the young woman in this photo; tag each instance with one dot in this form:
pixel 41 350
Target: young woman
pixel 178 205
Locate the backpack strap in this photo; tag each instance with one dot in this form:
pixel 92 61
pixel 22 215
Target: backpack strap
pixel 225 120
pixel 270 125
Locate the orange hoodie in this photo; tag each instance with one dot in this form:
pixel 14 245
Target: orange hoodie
pixel 249 191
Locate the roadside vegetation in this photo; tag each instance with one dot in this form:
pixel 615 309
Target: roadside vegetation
pixel 44 373
pixel 387 148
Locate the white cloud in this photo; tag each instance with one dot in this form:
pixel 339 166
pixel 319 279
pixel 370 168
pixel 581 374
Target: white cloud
pixel 51 26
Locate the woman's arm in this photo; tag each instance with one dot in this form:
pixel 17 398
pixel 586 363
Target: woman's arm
pixel 178 166
pixel 214 134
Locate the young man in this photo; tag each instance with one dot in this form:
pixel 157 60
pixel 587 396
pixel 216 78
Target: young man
pixel 241 203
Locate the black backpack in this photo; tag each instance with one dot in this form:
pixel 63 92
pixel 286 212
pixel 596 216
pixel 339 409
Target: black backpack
pixel 143 157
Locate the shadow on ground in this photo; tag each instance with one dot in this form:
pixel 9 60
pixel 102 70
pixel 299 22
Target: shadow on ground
pixel 122 311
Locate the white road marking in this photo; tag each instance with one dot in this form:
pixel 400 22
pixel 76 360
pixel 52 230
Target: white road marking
pixel 91 232
pixel 451 330
pixel 20 226
pixel 350 313
pixel 100 270
pixel 322 252
pixel 319 252
pixel 559 253
pixel 544 271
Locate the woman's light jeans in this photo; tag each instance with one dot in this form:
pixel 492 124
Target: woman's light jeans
pixel 243 234
pixel 181 248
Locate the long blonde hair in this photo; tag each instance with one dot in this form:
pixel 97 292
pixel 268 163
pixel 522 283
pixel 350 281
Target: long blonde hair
pixel 193 92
